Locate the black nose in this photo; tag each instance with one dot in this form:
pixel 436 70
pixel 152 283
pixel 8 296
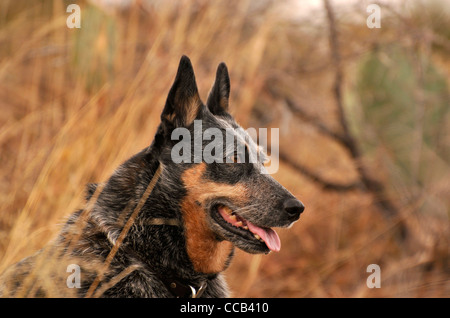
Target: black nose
pixel 294 207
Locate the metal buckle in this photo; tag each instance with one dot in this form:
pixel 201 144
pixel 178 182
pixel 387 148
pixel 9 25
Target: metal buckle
pixel 197 293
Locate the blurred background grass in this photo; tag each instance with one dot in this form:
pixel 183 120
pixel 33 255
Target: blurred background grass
pixel 75 103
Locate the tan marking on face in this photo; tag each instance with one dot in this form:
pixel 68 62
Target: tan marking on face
pixel 208 255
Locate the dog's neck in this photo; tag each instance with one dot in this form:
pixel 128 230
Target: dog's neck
pixel 171 220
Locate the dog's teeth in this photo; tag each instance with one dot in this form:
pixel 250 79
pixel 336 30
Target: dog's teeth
pixel 239 224
pixel 233 218
pixel 245 227
pixel 228 210
pixel 257 236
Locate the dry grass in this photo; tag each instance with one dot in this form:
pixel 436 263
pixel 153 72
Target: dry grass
pixel 77 103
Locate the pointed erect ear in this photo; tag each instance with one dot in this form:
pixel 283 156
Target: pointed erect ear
pixel 220 92
pixel 183 101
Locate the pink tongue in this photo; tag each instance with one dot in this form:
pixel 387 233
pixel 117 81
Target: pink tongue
pixel 269 236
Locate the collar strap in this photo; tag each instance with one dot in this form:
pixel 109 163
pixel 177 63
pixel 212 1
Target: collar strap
pixel 163 221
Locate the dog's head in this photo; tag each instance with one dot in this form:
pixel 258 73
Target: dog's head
pixel 227 194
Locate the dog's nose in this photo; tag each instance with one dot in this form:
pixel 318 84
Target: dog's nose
pixel 294 208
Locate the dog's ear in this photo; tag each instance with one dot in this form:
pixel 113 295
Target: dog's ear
pixel 183 101
pixel 220 92
pixel 90 190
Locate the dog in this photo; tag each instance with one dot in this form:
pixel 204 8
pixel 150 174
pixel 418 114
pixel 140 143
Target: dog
pixel 158 228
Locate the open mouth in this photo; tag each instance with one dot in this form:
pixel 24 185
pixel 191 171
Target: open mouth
pixel 248 230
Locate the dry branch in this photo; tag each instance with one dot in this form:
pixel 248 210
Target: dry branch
pixel 326 184
pixel 375 187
